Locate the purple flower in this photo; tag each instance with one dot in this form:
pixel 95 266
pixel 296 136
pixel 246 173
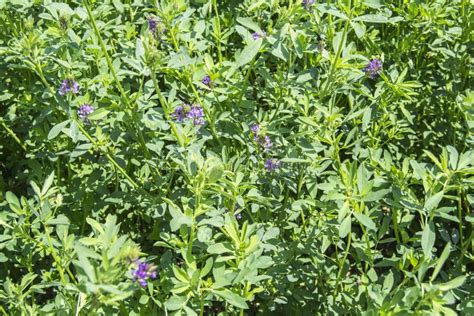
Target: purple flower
pixel 272 164
pixel 196 113
pixel 307 3
pixel 267 143
pixel 83 111
pixel 258 35
pixel 152 24
pixel 238 216
pixel 259 138
pixel 143 272
pixel 206 80
pixel 255 129
pixel 68 85
pixel 373 68
pixel 179 113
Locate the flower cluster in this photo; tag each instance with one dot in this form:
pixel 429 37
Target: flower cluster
pixel 143 272
pixel 373 68
pixel 206 81
pixel 258 35
pixel 260 138
pixel 156 27
pixel 237 214
pixel 264 140
pixel 68 85
pixel 307 4
pixel 272 164
pixel 153 26
pixel 191 112
pixel 84 111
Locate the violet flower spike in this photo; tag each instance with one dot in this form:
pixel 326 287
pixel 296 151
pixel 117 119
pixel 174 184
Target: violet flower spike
pixel 373 68
pixel 206 81
pixel 255 129
pixel 84 111
pixel 143 272
pixel 152 24
pixel 267 142
pixel 307 4
pixel 257 35
pixel 179 113
pixel 68 85
pixel 196 113
pixel 272 164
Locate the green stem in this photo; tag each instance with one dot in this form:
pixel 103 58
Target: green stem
pixel 55 255
pixel 197 202
pixel 338 53
pixel 207 113
pixel 12 134
pixel 39 71
pixel 218 31
pixel 367 241
pixel 107 56
pixel 201 305
pixel 166 110
pixel 130 107
pixel 110 158
pixel 246 82
pixel 395 225
pixel 349 239
pixel 461 234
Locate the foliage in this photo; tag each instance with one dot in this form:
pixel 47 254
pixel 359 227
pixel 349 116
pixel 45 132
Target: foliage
pixel 236 157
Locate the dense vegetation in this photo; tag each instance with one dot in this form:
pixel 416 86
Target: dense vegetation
pixel 236 157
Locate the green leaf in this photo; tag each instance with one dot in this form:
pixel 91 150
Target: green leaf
pixel 207 267
pixel 118 5
pixel 453 157
pixel 47 184
pixel 144 299
pixel 13 202
pixel 428 239
pixel 249 23
pixel 337 39
pixel 54 132
pixel 98 114
pixel 84 264
pixel 345 227
pixel 139 50
pixel 331 10
pixel 308 121
pixel 215 173
pixel 176 302
pixel 407 114
pixel 359 29
pixel 365 220
pixel 95 225
pixel 295 160
pixel 375 195
pixel 366 118
pixel 219 248
pixel 455 283
pixel 63 8
pixel 441 261
pixel 232 298
pixel 433 201
pixel 388 282
pixel 372 18
pixel 248 53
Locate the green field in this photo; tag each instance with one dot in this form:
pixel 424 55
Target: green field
pixel 236 157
